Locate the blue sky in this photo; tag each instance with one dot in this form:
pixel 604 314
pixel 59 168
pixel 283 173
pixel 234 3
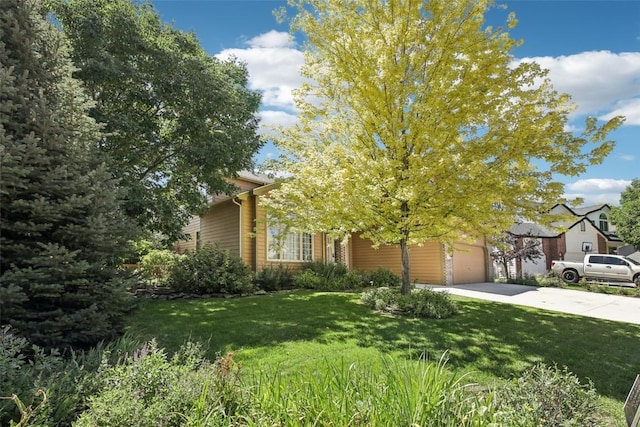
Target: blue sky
pixel 591 47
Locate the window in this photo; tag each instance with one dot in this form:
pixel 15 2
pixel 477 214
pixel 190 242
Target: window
pixel 288 246
pixel 604 222
pixel 583 226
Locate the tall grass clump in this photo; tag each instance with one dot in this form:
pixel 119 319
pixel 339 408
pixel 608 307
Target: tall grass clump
pixel 397 393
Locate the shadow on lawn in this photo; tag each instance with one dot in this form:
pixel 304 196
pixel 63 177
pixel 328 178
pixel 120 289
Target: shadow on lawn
pixel 503 340
pixel 493 338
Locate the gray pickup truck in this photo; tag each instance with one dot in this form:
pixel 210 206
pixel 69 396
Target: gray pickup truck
pixel 602 267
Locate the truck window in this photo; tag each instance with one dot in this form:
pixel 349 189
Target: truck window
pixel 614 261
pixel 596 259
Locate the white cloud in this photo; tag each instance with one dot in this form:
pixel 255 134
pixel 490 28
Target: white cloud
pixel 271 118
pixel 599 185
pixel 597 190
pixel 599 82
pixel 630 108
pixel 627 157
pixel 273 63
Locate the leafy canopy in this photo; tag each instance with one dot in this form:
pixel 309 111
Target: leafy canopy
pixel 177 120
pixel 417 124
pixel 627 216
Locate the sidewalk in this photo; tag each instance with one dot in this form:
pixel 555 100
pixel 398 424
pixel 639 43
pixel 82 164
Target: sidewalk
pixel 601 306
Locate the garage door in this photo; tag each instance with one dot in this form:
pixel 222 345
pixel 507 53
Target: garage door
pixel 469 264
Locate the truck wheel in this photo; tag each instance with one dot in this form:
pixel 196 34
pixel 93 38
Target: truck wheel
pixel 636 280
pixel 570 276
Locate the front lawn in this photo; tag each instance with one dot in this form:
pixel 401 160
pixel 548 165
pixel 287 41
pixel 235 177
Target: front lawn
pixel 297 330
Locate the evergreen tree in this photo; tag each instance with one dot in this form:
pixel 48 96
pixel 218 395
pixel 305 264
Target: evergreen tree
pixel 61 228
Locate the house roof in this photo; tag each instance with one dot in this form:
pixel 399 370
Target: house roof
pixel 635 256
pixel 531 229
pixel 257 178
pixel 586 210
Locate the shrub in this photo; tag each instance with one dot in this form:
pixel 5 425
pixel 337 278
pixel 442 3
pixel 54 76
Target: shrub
pixel 352 280
pixel 309 279
pixel 428 303
pixel 383 299
pixel 65 382
pixel 420 302
pixel 383 277
pixel 548 396
pixel 149 389
pixel 329 271
pixel 210 270
pixel 550 280
pixel 157 264
pixel 274 278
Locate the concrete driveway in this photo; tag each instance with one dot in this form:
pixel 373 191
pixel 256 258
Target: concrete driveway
pixel 601 306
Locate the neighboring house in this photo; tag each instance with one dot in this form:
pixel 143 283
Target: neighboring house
pixel 239 224
pixel 588 230
pixel 629 251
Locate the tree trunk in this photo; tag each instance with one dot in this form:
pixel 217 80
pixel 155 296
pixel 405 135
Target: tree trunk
pixel 406 270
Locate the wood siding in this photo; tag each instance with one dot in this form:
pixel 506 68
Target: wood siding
pixel 248 229
pixel 554 248
pixel 221 224
pixel 191 230
pixel 426 261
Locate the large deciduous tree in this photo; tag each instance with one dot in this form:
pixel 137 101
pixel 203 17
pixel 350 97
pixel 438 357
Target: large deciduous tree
pixel 417 124
pixel 62 230
pixel 178 121
pixel 626 217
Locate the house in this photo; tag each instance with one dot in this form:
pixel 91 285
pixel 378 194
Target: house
pixel 239 223
pixel 588 229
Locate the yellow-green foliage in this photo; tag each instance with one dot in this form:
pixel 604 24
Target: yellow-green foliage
pixel 417 124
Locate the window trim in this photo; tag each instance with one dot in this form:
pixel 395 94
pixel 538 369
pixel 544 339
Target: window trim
pixel 301 246
pixel 603 222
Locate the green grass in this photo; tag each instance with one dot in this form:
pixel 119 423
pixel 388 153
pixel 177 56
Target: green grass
pixel 297 330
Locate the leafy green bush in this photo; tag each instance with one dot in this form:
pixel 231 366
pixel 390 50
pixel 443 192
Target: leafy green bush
pixel 383 299
pixel 428 303
pixel 25 368
pixel 328 271
pixel 352 280
pixel 420 302
pixel 274 278
pixel 548 396
pixel 550 280
pixel 64 381
pixel 383 277
pixel 149 389
pixel 309 279
pixel 210 270
pixel 156 265
pixel 328 277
